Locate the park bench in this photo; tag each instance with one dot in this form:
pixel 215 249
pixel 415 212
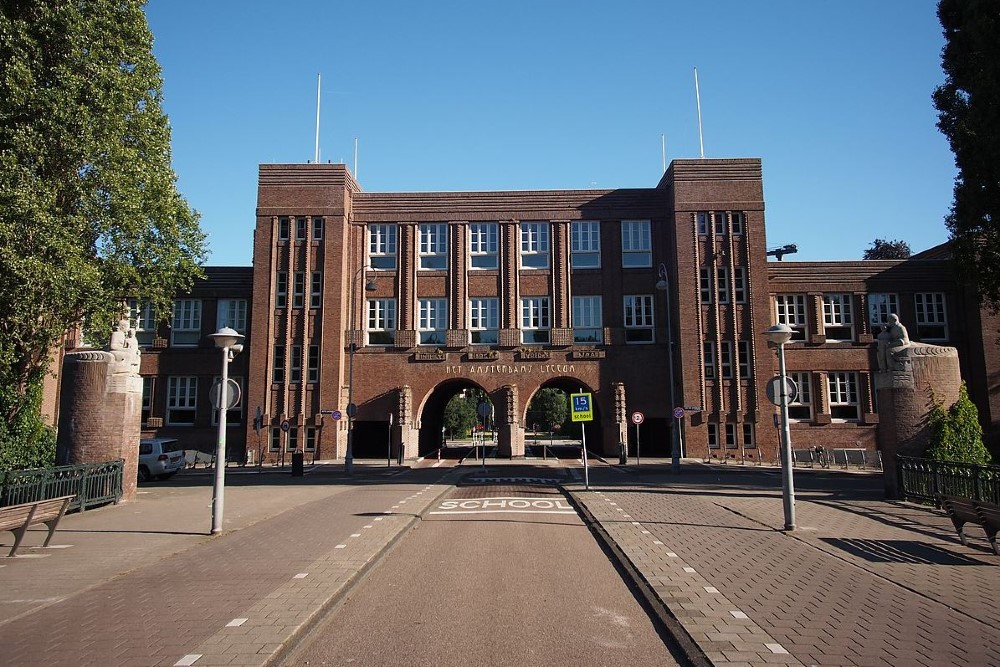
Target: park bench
pixel 983 514
pixel 18 518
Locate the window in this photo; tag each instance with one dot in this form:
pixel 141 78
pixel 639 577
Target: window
pixel 739 284
pixel 316 289
pixel 142 321
pixel 535 320
pixel 433 246
pixel 310 438
pixel 382 247
pixel 534 245
pixel 585 244
pixel 292 439
pixel 702 217
pixel 301 228
pixel 837 320
pixel 932 322
pixel 705 284
pixel 233 314
pixel 147 397
pixel 708 349
pixel 382 322
pixel 637 248
pixel 317 228
pixel 432 321
pixel 727 358
pixel 844 396
pixel 484 320
pixel 186 325
pixel 278 374
pixel 275 445
pixel 587 326
pixel 282 229
pixel 800 409
pixel 723 284
pixel 298 289
pixel 312 369
pixel 281 290
pixel 880 306
pixel 739 436
pixel 790 309
pixel 743 355
pixel 182 399
pixel 295 367
pixel 719 223
pixel 638 318
pixel 739 222
pixel 483 245
pixel 234 416
pixel 713 436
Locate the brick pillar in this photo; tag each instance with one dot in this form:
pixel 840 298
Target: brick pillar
pixel 510 431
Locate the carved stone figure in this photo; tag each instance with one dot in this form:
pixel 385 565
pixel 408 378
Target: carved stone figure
pixel 892 342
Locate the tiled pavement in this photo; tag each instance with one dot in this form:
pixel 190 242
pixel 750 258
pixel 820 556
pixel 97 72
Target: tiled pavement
pixel 861 582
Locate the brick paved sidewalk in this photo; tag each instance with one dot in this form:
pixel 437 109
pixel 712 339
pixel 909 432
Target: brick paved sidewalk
pixel 862 582
pixel 154 589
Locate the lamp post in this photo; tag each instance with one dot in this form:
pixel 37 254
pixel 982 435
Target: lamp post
pixel 778 335
pixel 352 348
pixel 228 340
pixel 663 285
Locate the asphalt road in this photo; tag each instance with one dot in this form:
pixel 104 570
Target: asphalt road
pixel 501 571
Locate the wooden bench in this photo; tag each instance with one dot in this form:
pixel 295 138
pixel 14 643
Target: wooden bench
pixel 18 518
pixel 983 514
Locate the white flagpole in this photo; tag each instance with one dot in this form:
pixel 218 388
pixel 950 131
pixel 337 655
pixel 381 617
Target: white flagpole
pixel 318 80
pixel 697 95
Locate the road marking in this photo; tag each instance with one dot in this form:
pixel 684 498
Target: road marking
pixel 777 648
pixel 188 660
pixel 504 505
pixel 340 546
pixel 355 534
pixel 236 622
pixel 301 575
pixel 710 589
pixel 690 570
pixel 739 614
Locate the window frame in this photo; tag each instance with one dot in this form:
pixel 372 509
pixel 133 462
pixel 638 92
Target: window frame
pixel 931 315
pixel 382 246
pixel 317 227
pixel 838 314
pixel 142 320
pixel 224 317
pixel 637 244
pixel 298 290
pixel 284 227
pixel 432 321
pixel 484 246
pixel 432 246
pixel 535 245
pixel 380 314
pixel 722 284
pixel 791 309
pixel 535 320
pixel 484 320
pixel 315 290
pixel 278 363
pixel 803 397
pixel 281 289
pixel 585 242
pixel 639 318
pixel 188 324
pixel 312 365
pixel 588 321
pixel 844 384
pixel 182 399
pixel 739 284
pixel 708 352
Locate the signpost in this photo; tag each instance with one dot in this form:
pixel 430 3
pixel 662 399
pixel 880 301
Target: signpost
pixel 582 409
pixel 637 418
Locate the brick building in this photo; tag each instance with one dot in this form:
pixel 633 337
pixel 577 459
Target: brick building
pixel 416 296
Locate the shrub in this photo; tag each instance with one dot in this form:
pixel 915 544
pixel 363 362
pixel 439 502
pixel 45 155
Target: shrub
pixel 956 434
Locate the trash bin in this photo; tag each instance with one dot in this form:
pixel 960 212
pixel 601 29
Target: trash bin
pixel 297 457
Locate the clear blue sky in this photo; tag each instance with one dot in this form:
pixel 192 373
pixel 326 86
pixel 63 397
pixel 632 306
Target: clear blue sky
pixel 834 97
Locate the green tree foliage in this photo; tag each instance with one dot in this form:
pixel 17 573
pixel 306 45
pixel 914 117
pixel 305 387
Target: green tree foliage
pixel 459 416
pixel 886 249
pixel 956 434
pixel 26 442
pixel 968 105
pixel 89 208
pixel 548 407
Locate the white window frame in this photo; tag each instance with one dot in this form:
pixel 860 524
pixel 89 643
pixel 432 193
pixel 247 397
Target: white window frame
pixel 484 320
pixel 723 284
pixel 701 222
pixel 801 409
pixel 301 228
pixel 637 244
pixel 185 330
pixel 638 318
pixel 298 289
pixel 432 321
pixel 433 247
pixel 274 444
pixel 880 306
pixel 315 289
pixel 588 327
pixel 381 328
pixel 838 314
pixel 142 320
pixel 484 245
pixel 284 227
pixel 182 396
pixel 708 351
pixel 292 439
pixel 719 223
pixel 726 360
pixel 743 359
pixel 232 313
pixel 281 289
pixel 310 443
pixel 585 244
pixel 739 284
pixel 739 220
pixel 790 309
pixel 534 245
pixel 931 316
pixel 535 320
pixel 295 364
pixel 382 246
pixel 843 392
pixel 148 385
pixel 705 282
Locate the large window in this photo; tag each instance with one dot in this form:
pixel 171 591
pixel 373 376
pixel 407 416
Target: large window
pixel 382 247
pixel 585 244
pixel 432 321
pixel 186 325
pixel 147 397
pixel 743 355
pixel 790 309
pixel 182 399
pixel 705 284
pixel 739 222
pixel 723 284
pixel 739 284
pixel 433 246
pixel 587 326
pixel 740 436
pixel 534 245
pixel 233 314
pixel 298 289
pixel 638 318
pixel 382 322
pixel 316 289
pixel 312 370
pixel 310 438
pixel 800 409
pixel 278 372
pixel 844 402
pixel 142 321
pixel 282 229
pixel 726 358
pixel 317 228
pixel 932 321
pixel 708 351
pixel 295 365
pixel 281 289
pixel 483 245
pixel 637 245
pixel 535 320
pixel 301 228
pixel 484 320
pixel 838 321
pixel 880 306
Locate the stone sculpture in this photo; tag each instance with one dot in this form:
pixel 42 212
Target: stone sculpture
pixel 892 343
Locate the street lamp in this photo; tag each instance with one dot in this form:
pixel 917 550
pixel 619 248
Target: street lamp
pixel 228 340
pixel 351 408
pixel 675 447
pixel 778 335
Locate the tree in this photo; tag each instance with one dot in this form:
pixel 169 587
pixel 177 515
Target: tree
pixel 956 434
pixel 885 249
pixel 459 416
pixel 548 407
pixel 89 208
pixel 968 105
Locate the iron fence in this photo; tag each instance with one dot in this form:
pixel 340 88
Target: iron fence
pixel 92 484
pixel 926 480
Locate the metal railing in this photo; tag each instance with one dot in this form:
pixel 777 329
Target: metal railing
pixel 927 480
pixel 92 484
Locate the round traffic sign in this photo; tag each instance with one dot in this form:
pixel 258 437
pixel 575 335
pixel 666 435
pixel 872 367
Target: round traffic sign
pixel 484 409
pixel 678 413
pixel 285 426
pixel 336 415
pixel 638 417
pixel 232 393
pixel 352 410
pixel 774 390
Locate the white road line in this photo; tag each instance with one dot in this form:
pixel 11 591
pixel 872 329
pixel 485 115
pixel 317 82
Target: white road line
pixel 777 648
pixel 236 622
pixel 301 575
pixel 188 660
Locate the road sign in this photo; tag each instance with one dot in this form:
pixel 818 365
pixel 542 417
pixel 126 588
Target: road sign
pixel 638 417
pixel 678 413
pixel 581 406
pixel 285 426
pixel 774 390
pixel 232 394
pixel 484 409
pixel 352 410
pixel 336 415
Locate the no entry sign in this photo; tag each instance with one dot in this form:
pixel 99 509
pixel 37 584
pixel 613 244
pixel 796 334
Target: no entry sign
pixel 638 417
